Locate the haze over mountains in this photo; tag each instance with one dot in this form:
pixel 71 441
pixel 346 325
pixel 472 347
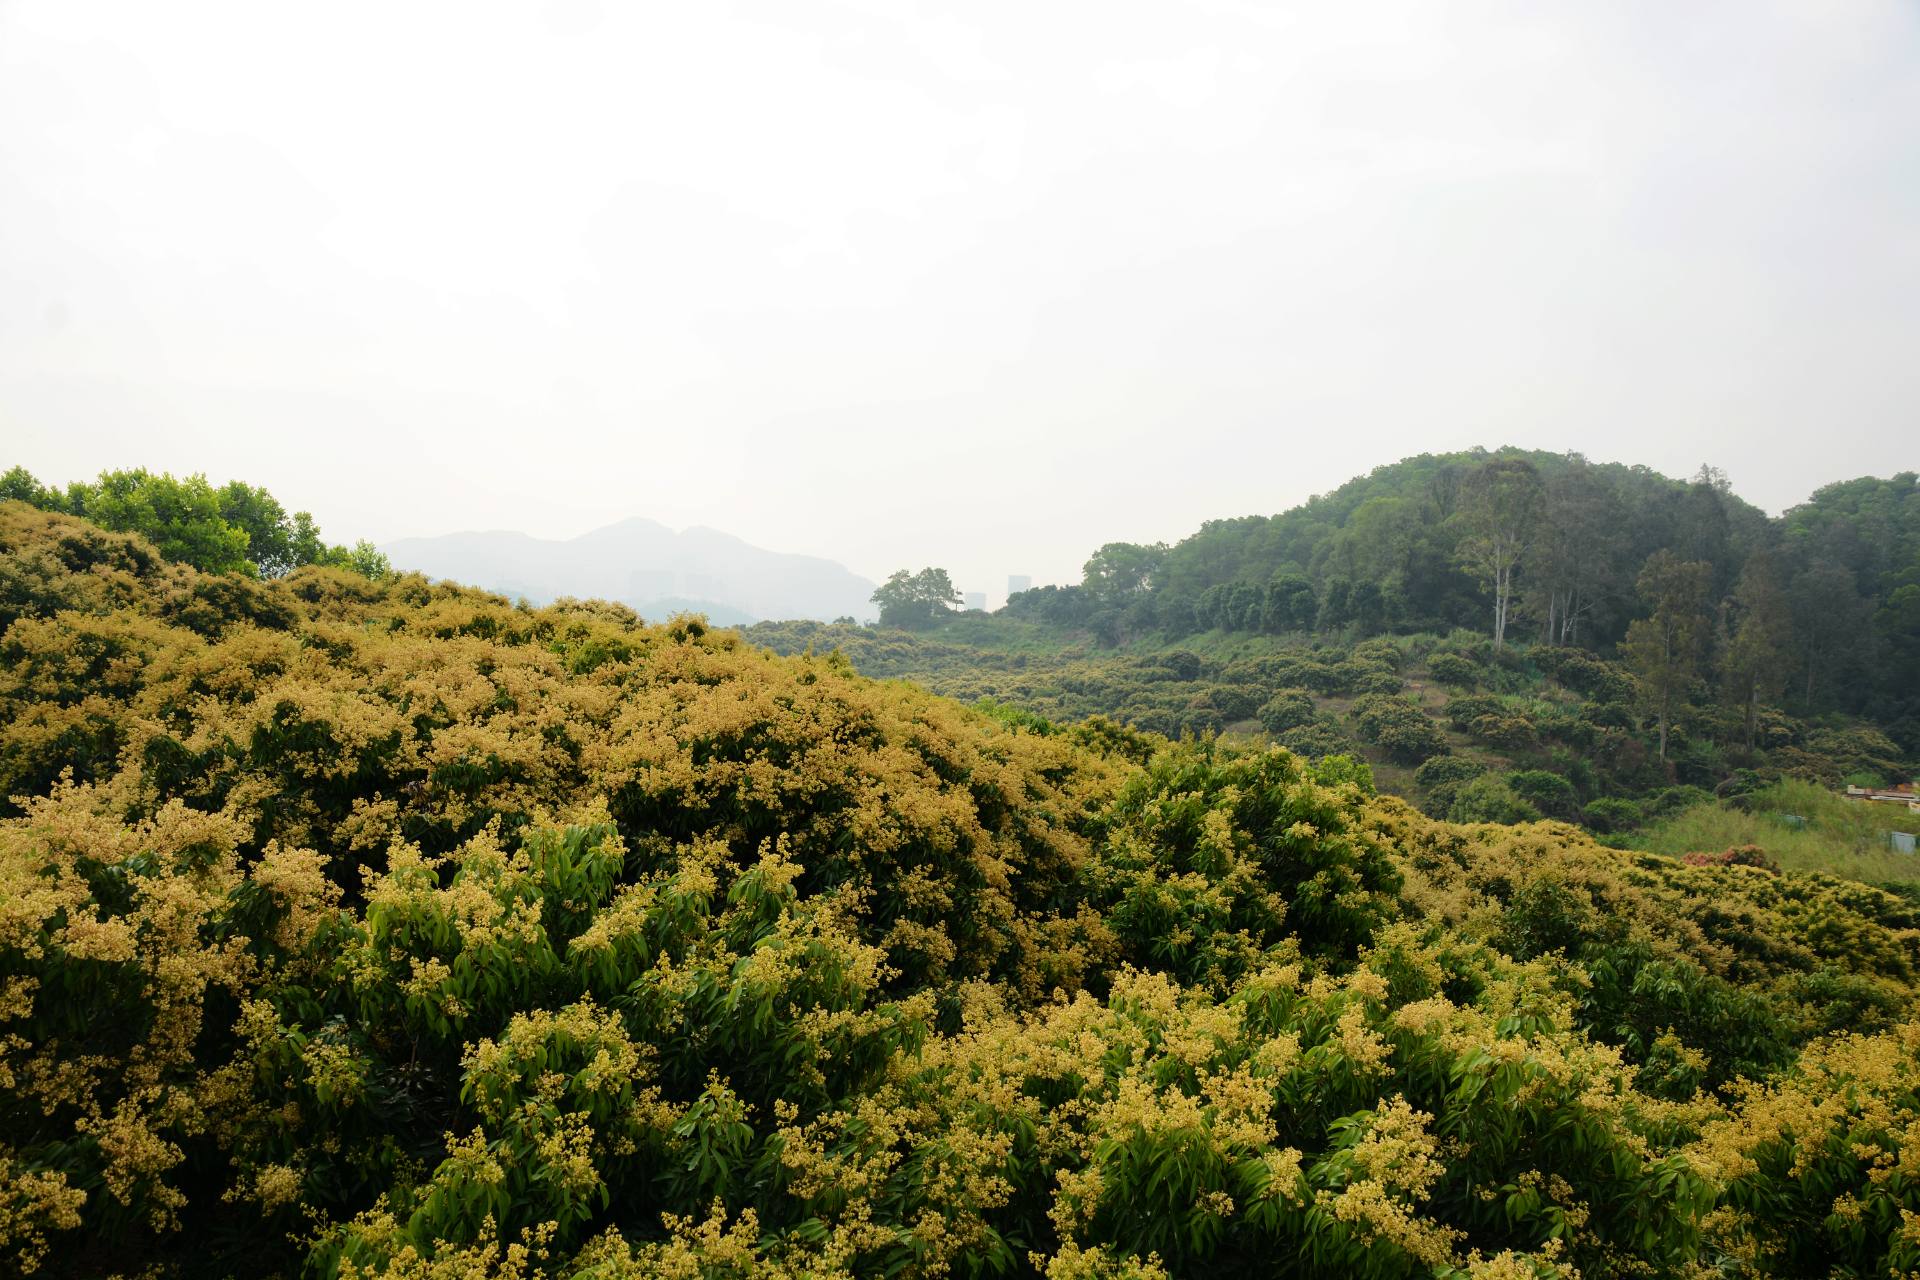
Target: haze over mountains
pixel 649 566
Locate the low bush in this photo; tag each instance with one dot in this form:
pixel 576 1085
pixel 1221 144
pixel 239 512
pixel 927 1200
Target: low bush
pixel 1384 682
pixel 1445 769
pixel 1321 737
pixel 1608 715
pixel 1585 673
pixel 1489 799
pixel 1304 672
pixel 1672 800
pixel 1287 709
pixel 1507 732
pixel 1548 792
pixel 1463 710
pixel 1180 664
pixel 1745 855
pixel 1411 741
pixel 1231 702
pixel 1612 815
pixel 1398 728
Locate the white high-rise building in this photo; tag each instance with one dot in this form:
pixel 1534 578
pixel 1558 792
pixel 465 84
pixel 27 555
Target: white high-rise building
pixel 977 600
pixel 1019 582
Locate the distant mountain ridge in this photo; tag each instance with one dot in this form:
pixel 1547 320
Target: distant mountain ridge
pixel 649 566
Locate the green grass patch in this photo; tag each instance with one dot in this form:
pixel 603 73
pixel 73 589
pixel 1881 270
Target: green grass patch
pixel 1841 837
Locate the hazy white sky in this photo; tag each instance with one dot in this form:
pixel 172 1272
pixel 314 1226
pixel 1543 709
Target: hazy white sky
pixel 976 284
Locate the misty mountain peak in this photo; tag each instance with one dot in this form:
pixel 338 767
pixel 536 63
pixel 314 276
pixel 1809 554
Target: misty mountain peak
pixel 645 564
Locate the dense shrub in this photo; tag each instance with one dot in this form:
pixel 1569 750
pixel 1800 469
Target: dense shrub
pixel 1816 1163
pixel 1464 709
pixel 1774 729
pixel 1381 651
pixel 1698 763
pixel 1453 670
pixel 1489 799
pixel 1612 814
pixel 1607 715
pixel 1474 646
pixel 1231 702
pixel 1209 862
pixel 1830 754
pixel 1507 732
pixel 1412 741
pixel 1400 729
pixel 1306 673
pixel 1548 792
pixel 1380 682
pixel 1581 671
pixel 1352 673
pixel 1318 738
pixel 1180 664
pixel 1202 721
pixel 1671 800
pixel 1442 770
pixel 1440 779
pixel 1287 709
pixel 1743 782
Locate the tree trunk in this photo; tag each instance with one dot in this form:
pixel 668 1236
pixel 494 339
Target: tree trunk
pixel 1502 584
pixel 1666 697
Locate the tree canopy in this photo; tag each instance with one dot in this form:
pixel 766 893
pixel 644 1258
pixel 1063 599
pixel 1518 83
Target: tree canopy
pixel 236 528
pixel 1540 547
pixel 915 600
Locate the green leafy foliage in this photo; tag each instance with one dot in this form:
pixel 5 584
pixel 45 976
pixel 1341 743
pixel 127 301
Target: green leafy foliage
pixel 234 529
pixel 1548 792
pixel 1398 728
pixel 1287 709
pixel 356 927
pixel 915 600
pixel 1454 670
pixel 1490 798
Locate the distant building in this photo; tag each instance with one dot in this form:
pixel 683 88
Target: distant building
pixel 1906 793
pixel 977 600
pixel 1017 582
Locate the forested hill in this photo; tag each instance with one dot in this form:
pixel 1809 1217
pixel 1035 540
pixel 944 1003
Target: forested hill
pixel 1395 537
pixel 1822 602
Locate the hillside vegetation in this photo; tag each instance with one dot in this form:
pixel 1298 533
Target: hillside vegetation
pixel 1819 608
pixel 372 927
pixel 1802 826
pixel 1530 732
pixel 1502 636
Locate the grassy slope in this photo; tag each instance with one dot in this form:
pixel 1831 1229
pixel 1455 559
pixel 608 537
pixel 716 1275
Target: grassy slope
pixel 1841 837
